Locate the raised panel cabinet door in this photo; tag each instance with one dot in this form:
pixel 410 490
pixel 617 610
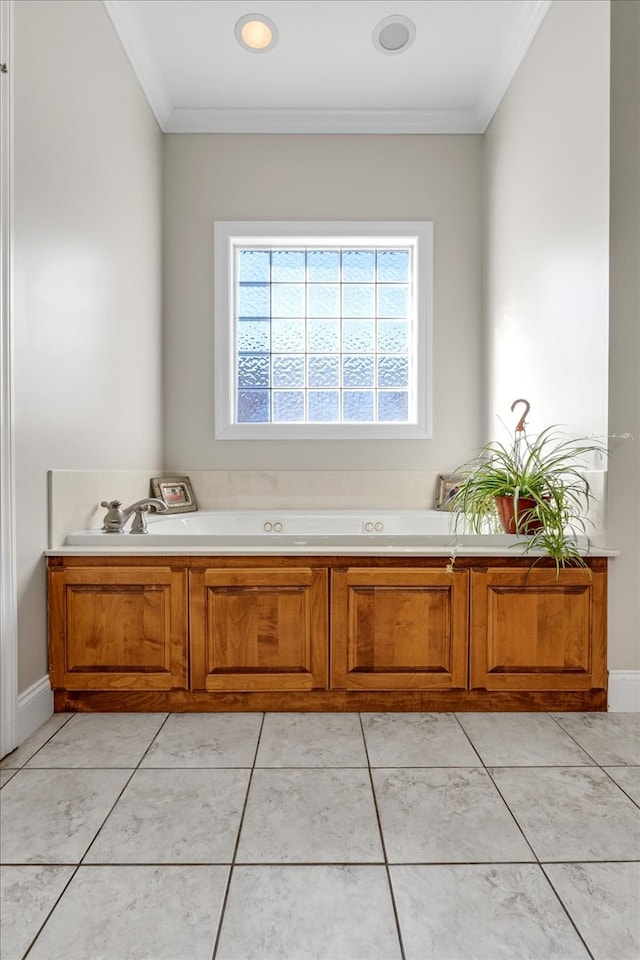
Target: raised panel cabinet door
pixel 121 628
pixel 399 629
pixel 259 629
pixel 534 630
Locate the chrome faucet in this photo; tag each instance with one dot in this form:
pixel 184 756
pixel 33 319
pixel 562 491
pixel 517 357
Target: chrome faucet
pixel 115 518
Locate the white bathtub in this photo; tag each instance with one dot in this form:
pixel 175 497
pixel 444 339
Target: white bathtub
pixel 278 527
pixel 420 532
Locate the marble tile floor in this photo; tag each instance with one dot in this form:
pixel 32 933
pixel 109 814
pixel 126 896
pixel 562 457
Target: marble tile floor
pixel 286 836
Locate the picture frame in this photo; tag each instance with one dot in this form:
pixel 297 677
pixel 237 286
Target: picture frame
pixel 448 484
pixel 175 492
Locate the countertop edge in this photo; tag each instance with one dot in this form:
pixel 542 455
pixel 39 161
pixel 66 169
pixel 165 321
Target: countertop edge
pixel 310 551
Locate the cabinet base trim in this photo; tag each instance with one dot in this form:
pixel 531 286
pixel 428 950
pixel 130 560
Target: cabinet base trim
pixel 314 701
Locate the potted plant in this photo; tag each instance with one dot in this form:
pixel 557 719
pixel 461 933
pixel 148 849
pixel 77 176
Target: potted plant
pixel 535 488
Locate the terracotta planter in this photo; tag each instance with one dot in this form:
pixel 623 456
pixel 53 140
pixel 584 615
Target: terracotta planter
pixel 524 524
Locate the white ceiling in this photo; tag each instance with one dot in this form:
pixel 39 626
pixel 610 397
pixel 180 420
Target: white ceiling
pixel 325 75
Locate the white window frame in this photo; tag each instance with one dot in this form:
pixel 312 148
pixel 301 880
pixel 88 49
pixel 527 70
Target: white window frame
pixel 231 234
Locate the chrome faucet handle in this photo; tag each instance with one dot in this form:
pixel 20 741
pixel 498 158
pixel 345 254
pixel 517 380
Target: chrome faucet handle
pixel 139 524
pixel 159 506
pixel 114 518
pixel 141 507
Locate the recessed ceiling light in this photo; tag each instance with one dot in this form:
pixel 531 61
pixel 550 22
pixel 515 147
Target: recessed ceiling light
pixel 256 33
pixel 394 34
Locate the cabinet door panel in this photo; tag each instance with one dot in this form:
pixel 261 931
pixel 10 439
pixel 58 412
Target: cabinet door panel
pixel 399 629
pixel 259 629
pixel 532 630
pixel 118 628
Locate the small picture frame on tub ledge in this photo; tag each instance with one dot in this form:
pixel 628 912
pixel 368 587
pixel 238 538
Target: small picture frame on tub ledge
pixel 175 492
pixel 447 488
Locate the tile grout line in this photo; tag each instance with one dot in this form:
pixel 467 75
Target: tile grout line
pixel 223 906
pixel 600 766
pixel 571 737
pixel 154 738
pixel 76 866
pixel 614 781
pixel 566 910
pixel 470 741
pixel 499 792
pixel 332 863
pixel 538 864
pixel 530 766
pixel 424 766
pixel 35 752
pixel 384 848
pixel 564 766
pixel 526 839
pixel 511 813
pixel 129 779
pixel 58 899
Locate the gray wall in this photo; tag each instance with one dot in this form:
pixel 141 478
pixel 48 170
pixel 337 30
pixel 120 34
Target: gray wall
pixel 546 193
pixel 624 342
pixel 87 249
pixel 549 335
pixel 246 177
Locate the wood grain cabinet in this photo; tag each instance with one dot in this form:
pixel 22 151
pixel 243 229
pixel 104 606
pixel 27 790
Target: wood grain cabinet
pixel 326 633
pixel 533 630
pixel 117 628
pixel 259 629
pixel 399 629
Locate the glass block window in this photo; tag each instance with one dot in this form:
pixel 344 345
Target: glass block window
pixel 322 334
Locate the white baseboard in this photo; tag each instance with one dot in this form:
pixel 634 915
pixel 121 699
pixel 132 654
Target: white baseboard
pixel 35 705
pixel 624 691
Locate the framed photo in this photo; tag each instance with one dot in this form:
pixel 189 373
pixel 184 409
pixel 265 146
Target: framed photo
pixel 447 488
pixel 176 492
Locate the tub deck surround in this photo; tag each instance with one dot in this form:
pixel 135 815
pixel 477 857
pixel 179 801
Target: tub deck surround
pixel 321 610
pixel 298 532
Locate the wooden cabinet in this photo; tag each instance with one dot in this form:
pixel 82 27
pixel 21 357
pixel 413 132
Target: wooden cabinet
pixel 533 630
pixel 259 629
pixel 326 633
pixel 398 629
pixel 117 628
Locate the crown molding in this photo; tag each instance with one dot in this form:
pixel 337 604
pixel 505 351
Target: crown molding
pixel 506 67
pixel 135 46
pixel 182 120
pixel 322 121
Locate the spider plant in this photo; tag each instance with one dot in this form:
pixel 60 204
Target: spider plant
pixel 545 478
